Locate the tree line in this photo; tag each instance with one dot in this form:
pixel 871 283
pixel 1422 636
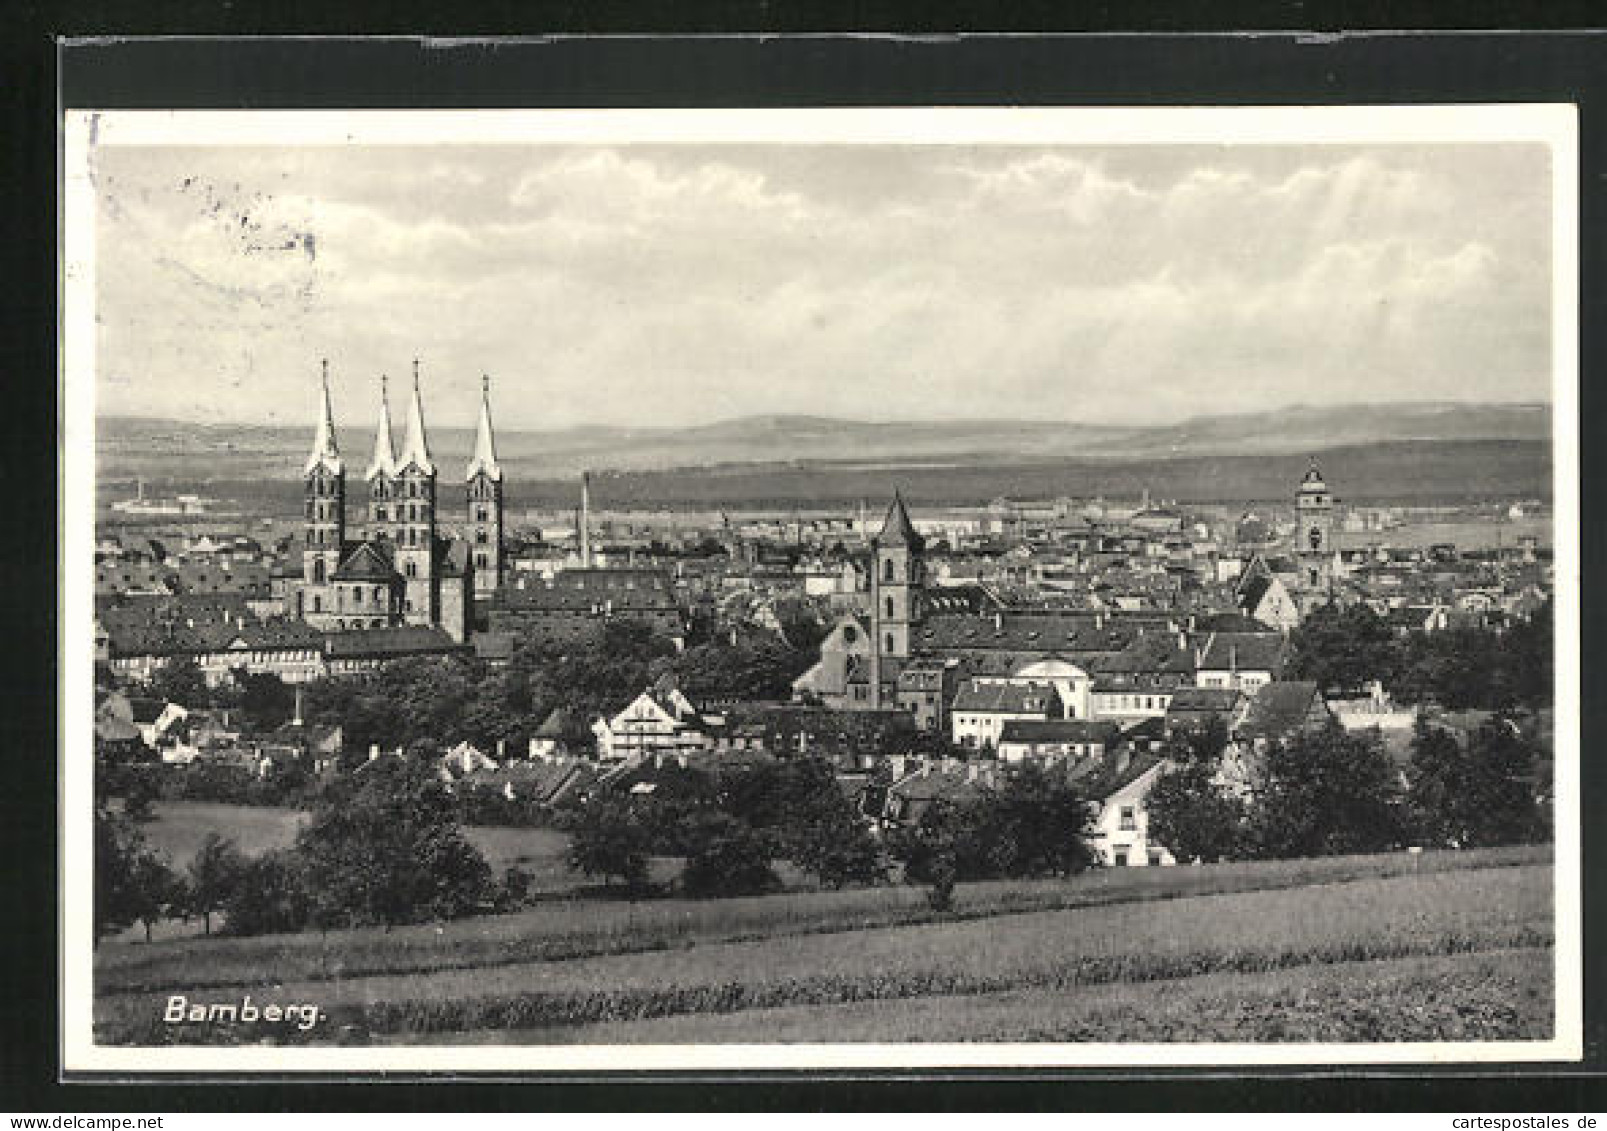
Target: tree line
pixel 1342 648
pixel 1331 791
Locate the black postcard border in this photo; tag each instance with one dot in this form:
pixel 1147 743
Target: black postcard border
pixel 809 70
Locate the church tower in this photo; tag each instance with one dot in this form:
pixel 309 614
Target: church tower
pixel 324 487
pixel 896 578
pixel 1314 531
pixel 382 472
pixel 414 505
pixel 484 479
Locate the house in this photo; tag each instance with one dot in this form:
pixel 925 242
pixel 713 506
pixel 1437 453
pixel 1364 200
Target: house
pixel 925 688
pixel 463 760
pixel 357 650
pixel 1053 740
pixel 1192 708
pixel 916 789
pixel 1120 835
pixel 1241 660
pixel 1407 619
pixel 661 720
pixel 983 706
pixel 554 736
pixel 1264 598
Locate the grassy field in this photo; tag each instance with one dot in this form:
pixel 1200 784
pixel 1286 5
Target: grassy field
pixel 1136 936
pixel 567 929
pixel 1491 995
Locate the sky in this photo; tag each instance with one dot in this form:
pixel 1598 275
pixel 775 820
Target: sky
pixel 684 284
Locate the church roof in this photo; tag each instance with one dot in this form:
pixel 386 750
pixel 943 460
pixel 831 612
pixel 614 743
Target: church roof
pixel 485 446
pixel 370 561
pixel 898 530
pixel 415 447
pixel 384 455
pixel 325 454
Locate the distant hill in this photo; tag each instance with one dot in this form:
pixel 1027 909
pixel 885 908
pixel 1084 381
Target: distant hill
pixel 161 449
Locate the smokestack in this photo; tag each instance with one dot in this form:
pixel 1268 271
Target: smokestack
pixel 297 720
pixel 585 520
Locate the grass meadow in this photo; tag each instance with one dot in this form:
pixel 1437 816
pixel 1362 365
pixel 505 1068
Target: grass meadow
pixel 1333 949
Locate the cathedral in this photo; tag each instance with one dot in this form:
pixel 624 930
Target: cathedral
pixel 400 569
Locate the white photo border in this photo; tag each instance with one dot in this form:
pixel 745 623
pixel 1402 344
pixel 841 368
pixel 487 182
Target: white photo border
pixel 84 132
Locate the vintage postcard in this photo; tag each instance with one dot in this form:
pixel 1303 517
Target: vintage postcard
pixel 908 588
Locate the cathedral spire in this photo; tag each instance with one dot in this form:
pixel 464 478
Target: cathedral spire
pixel 485 445
pixel 324 451
pixel 415 450
pixel 384 455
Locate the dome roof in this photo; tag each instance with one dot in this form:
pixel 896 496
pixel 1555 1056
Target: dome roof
pixel 1051 668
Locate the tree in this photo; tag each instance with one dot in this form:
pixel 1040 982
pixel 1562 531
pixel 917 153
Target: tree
pixel 213 874
pixel 1194 816
pixel 1478 793
pixel 180 681
pixel 133 883
pixel 1035 824
pixel 384 848
pixel 1342 647
pixel 268 702
pixel 610 839
pixel 730 858
pixel 140 794
pixel 1189 810
pixel 1326 792
pixel 930 852
pixel 269 895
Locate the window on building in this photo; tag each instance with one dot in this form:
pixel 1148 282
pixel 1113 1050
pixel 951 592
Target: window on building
pixel 481 537
pixel 1120 858
pixel 889 608
pixel 317 603
pixel 480 514
pixel 379 594
pixel 887 569
pixel 1156 857
pixel 889 642
pixel 318 571
pixel 380 515
pixel 1129 818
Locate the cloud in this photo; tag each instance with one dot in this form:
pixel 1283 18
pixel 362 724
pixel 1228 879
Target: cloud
pixel 662 285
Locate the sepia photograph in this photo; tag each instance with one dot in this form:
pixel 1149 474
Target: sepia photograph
pixel 594 589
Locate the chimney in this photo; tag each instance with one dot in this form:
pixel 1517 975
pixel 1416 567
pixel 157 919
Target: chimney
pixel 998 622
pixel 373 752
pixel 585 520
pixel 502 749
pixel 297 720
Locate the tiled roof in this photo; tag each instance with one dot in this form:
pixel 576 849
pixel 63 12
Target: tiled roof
pixel 1205 700
pixel 1245 651
pixel 1279 708
pixel 403 640
pixel 898 530
pixel 1029 633
pixel 1047 731
pixel 370 561
pixel 1005 698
